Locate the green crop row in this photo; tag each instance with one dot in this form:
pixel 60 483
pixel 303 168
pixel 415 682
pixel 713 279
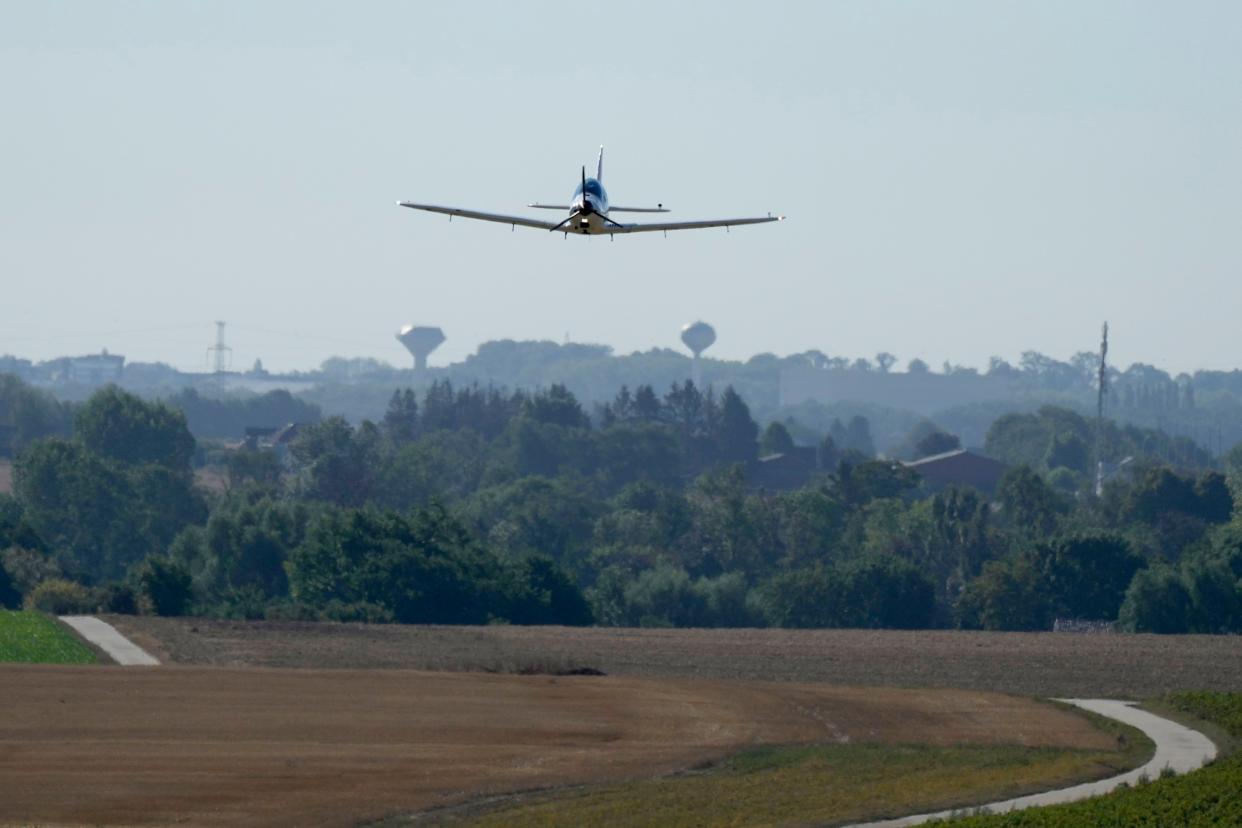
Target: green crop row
pixel 33 637
pixel 1207 797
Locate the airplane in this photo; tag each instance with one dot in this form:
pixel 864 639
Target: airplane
pixel 590 213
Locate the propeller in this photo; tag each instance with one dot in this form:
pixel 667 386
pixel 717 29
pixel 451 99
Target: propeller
pixel 584 210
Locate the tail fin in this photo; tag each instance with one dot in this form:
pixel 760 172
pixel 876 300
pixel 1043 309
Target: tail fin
pixel 599 172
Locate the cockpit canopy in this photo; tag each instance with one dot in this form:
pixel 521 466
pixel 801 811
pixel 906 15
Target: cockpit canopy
pixel 593 187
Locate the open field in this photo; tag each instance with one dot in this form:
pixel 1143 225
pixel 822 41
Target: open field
pixel 336 747
pixel 1042 664
pixel 35 638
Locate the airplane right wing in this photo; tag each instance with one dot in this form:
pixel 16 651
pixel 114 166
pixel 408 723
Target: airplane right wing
pixel 690 225
pixel 475 214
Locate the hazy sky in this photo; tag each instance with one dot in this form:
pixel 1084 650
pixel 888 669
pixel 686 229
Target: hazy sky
pixel 961 178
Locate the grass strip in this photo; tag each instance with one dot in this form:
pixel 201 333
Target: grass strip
pixel 34 638
pixel 817 784
pixel 1206 797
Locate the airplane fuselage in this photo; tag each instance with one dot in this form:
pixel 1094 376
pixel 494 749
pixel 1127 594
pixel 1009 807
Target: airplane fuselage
pixel 589 207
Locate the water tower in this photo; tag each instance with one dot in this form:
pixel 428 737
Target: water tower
pixel 698 337
pixel 420 341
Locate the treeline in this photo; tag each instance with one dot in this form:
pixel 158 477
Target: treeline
pixel 28 414
pixel 469 505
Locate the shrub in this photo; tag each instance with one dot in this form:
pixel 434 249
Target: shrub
pixel 60 597
pixel 28 568
pixel 362 611
pixel 166 585
pixel 121 599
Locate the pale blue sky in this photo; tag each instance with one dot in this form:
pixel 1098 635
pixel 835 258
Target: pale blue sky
pixel 962 178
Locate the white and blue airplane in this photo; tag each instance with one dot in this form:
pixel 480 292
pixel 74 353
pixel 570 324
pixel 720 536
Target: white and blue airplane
pixel 590 213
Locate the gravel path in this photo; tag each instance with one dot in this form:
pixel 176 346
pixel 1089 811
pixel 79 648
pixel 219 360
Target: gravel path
pixel 1178 748
pixel 107 638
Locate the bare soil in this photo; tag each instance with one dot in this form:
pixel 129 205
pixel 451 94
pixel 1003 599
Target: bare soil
pixel 246 746
pixel 1040 664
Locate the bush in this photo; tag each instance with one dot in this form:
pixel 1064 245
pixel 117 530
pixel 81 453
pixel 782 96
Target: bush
pixel 28 568
pixel 360 611
pixel 9 596
pixel 121 599
pixel 1157 601
pixel 291 611
pixel 166 585
pixel 60 597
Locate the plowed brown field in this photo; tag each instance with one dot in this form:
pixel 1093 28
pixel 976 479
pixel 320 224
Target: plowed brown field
pixel 1041 664
pixel 251 746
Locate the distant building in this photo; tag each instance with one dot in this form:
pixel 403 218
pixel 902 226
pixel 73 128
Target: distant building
pixel 921 392
pixel 961 467
pixel 94 369
pixel 785 471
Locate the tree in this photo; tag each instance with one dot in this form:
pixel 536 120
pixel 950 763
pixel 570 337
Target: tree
pixel 257 466
pixel 401 419
pixel 858 436
pixel 880 592
pixel 1008 595
pixel 83 506
pixel 1086 576
pixel 885 361
pixel 338 464
pixel 121 427
pixel 1030 505
pixel 918 367
pixel 938 442
pixel 872 480
pixel 557 406
pixel 640 451
pixel 27 414
pixel 9 596
pixel 663 597
pixel 737 437
pixel 1232 462
pixel 1068 451
pixel 884 592
pixel 166 585
pixel 776 439
pixel 544 594
pixel 1156 601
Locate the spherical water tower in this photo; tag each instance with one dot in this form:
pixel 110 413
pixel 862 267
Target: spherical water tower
pixel 698 337
pixel 420 341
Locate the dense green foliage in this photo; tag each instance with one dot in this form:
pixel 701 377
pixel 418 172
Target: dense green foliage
pixel 469 505
pixel 34 638
pixel 1206 797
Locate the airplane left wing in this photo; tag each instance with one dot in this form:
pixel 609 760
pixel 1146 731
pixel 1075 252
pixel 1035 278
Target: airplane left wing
pixel 689 225
pixel 475 214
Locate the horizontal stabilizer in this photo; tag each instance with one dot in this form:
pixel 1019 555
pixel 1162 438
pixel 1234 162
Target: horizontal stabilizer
pixel 659 209
pixel 539 206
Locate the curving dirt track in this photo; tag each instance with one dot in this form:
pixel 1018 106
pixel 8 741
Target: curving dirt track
pixel 224 746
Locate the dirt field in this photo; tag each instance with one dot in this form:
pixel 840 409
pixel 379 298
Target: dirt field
pixel 1043 664
pixel 336 747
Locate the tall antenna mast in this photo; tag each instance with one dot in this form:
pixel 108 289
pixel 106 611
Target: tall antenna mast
pixel 220 355
pixel 1101 393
